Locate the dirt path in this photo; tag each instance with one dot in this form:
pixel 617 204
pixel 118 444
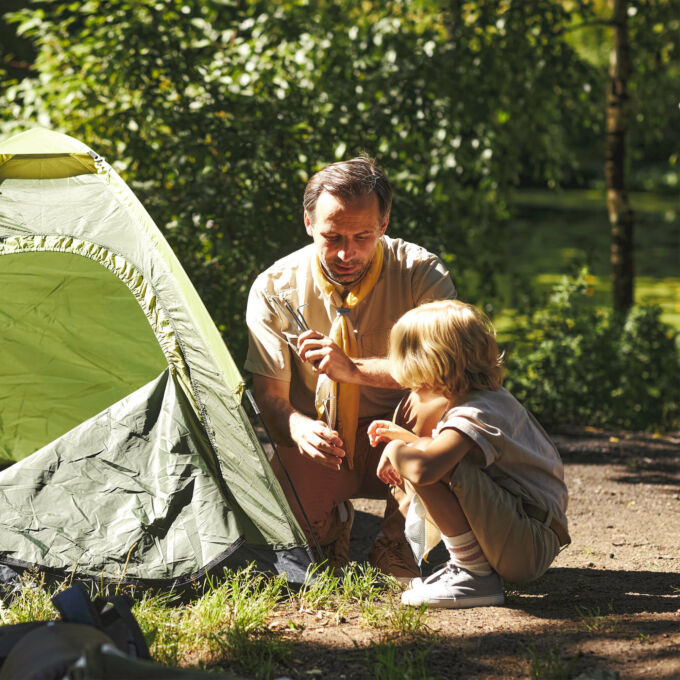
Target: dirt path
pixel 609 605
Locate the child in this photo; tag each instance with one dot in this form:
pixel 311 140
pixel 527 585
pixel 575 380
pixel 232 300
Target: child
pixel 489 477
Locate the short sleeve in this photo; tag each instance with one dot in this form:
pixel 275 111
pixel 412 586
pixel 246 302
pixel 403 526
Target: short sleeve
pixel 484 435
pixel 432 281
pixel 268 352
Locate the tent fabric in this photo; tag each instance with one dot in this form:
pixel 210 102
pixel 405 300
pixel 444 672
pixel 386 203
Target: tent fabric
pixel 62 372
pixel 130 455
pixel 133 483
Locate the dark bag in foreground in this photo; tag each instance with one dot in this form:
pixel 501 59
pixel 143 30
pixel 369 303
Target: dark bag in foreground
pixel 96 639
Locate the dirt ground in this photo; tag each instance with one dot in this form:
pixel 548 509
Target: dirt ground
pixel 608 607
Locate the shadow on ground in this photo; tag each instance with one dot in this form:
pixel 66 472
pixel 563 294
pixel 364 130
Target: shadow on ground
pixel 562 593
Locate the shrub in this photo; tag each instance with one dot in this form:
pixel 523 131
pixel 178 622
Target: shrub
pixel 648 389
pixel 579 364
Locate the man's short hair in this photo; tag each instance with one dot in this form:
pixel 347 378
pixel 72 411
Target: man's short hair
pixel 350 179
pixel 446 346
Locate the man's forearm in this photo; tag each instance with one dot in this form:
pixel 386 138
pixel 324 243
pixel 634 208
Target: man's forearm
pixel 374 372
pixel 279 416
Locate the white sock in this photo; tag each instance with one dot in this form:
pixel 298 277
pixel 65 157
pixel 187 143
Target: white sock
pixel 466 553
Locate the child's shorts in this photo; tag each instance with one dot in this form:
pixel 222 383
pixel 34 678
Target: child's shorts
pixel 518 547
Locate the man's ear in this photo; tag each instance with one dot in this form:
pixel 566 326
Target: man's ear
pixel 386 221
pixel 308 224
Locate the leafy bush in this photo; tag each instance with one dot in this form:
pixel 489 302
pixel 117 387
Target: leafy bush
pixel 216 113
pixel 578 364
pixel 649 371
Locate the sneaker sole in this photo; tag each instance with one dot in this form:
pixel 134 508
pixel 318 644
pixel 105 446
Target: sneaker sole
pixel 411 598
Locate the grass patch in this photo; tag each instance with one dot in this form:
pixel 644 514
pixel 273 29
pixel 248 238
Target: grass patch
pixel 548 664
pixel 391 615
pixel 389 662
pixel 34 603
pixel 226 624
pixel 320 589
pixel 594 621
pixel 359 584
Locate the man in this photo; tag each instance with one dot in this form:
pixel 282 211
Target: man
pixel 319 389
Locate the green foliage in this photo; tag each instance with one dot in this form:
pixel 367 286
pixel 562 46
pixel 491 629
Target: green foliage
pixel 376 613
pixel 218 112
pixel 595 622
pixel 649 383
pixel 227 621
pixel 34 604
pixel 320 588
pixel 391 663
pixel 576 363
pixel 548 665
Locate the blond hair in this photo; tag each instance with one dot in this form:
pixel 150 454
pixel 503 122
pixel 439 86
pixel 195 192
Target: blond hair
pixel 448 347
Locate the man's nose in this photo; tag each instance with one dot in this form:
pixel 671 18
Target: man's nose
pixel 346 252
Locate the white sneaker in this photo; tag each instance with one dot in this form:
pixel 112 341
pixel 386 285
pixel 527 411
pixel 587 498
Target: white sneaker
pixel 455 588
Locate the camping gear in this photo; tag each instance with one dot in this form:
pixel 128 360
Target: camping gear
pixel 28 649
pixel 126 455
pixel 93 640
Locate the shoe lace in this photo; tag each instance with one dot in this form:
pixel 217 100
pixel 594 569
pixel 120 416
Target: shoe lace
pixel 443 571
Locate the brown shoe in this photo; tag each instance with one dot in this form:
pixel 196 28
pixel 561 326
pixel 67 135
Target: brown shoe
pixel 337 552
pixel 394 557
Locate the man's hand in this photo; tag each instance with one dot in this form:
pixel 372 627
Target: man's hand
pixel 326 357
pixel 317 441
pixel 386 431
pixel 386 471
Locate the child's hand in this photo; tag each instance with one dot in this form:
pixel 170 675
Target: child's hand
pixel 387 473
pixel 386 431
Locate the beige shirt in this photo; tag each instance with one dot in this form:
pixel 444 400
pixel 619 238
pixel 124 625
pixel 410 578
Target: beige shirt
pixel 410 276
pixel 518 454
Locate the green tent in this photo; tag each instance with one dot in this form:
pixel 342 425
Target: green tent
pixel 125 452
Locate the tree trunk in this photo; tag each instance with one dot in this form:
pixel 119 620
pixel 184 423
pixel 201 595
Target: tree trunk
pixel 621 217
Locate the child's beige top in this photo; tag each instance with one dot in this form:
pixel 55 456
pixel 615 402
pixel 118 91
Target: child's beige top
pixel 518 454
pixel 410 276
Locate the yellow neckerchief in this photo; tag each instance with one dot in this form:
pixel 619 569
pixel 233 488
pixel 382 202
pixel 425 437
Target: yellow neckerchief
pixel 342 334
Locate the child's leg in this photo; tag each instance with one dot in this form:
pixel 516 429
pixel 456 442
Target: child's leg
pixel 466 580
pixel 446 512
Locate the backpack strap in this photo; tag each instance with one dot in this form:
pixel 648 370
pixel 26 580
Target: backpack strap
pixel 74 606
pixel 121 625
pixel 112 615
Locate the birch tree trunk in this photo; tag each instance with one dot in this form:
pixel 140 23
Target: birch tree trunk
pixel 621 217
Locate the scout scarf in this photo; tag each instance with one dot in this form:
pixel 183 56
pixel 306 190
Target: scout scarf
pixel 338 404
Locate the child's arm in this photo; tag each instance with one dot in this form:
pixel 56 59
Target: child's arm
pixel 430 463
pixel 386 472
pixel 387 431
